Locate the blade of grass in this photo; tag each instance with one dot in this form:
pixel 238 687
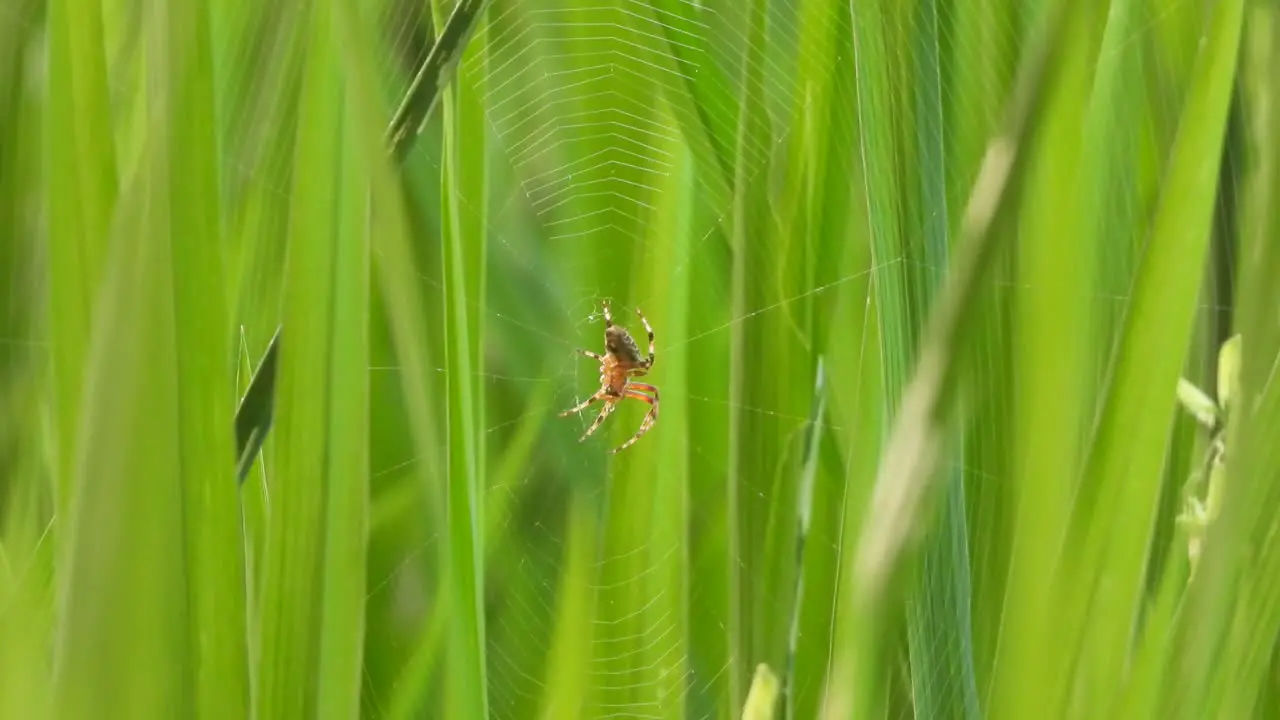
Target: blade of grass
pixel 314 575
pixel 938 622
pixel 26 564
pixel 748 226
pixel 979 46
pixel 345 536
pixel 712 648
pixel 255 513
pixel 878 82
pixel 818 246
pixel 1232 615
pixel 119 558
pixel 792 276
pixel 465 240
pixel 397 280
pixel 905 484
pixel 433 75
pixel 501 503
pixel 259 138
pixel 1128 450
pixel 1052 326
pixel 418 102
pixel 26 522
pixel 905 473
pixel 642 639
pixel 668 662
pixel 570 689
pixel 858 407
pixel 257 410
pixel 26 594
pixel 215 570
pixel 80 194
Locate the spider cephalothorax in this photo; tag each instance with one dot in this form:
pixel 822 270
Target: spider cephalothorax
pixel 620 363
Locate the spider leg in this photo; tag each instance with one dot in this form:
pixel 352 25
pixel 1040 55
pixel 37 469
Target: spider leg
pixel 649 419
pixel 647 363
pixel 583 405
pixel 608 316
pixel 604 413
pixel 591 355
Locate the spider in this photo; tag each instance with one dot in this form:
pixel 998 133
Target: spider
pixel 620 363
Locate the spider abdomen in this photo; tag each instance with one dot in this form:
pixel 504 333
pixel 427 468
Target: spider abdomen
pixel 620 344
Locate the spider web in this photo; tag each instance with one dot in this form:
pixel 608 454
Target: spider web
pixel 587 104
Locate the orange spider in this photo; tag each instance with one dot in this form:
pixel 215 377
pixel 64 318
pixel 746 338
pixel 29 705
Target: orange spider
pixel 620 363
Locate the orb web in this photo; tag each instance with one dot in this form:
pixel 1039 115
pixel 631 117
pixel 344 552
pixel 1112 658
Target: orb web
pixel 590 107
pixel 590 104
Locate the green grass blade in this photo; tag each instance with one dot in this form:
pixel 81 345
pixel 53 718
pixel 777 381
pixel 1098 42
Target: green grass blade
pixel 906 483
pixel 665 656
pixel 257 409
pixel 1225 662
pixel 400 289
pixel 569 689
pixel 1111 541
pixel 80 195
pixel 215 570
pixel 313 578
pixel 341 675
pixel 857 406
pixel 818 245
pixel 433 75
pixel 1053 359
pixel 464 189
pixel 128 466
pixel 979 49
pixel 924 406
pixel 903 149
pixel 939 622
pixel 747 237
pixel 261 101
pixel 641 638
pixel 26 543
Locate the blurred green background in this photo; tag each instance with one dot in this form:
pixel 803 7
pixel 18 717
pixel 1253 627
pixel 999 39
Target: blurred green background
pixel 924 276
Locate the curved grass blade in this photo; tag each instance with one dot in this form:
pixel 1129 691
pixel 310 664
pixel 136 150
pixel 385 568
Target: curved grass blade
pixel 907 481
pixel 905 478
pixel 1110 540
pixel 433 75
pixel 254 416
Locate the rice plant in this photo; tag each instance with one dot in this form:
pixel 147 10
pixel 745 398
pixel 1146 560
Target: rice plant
pixel 946 386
